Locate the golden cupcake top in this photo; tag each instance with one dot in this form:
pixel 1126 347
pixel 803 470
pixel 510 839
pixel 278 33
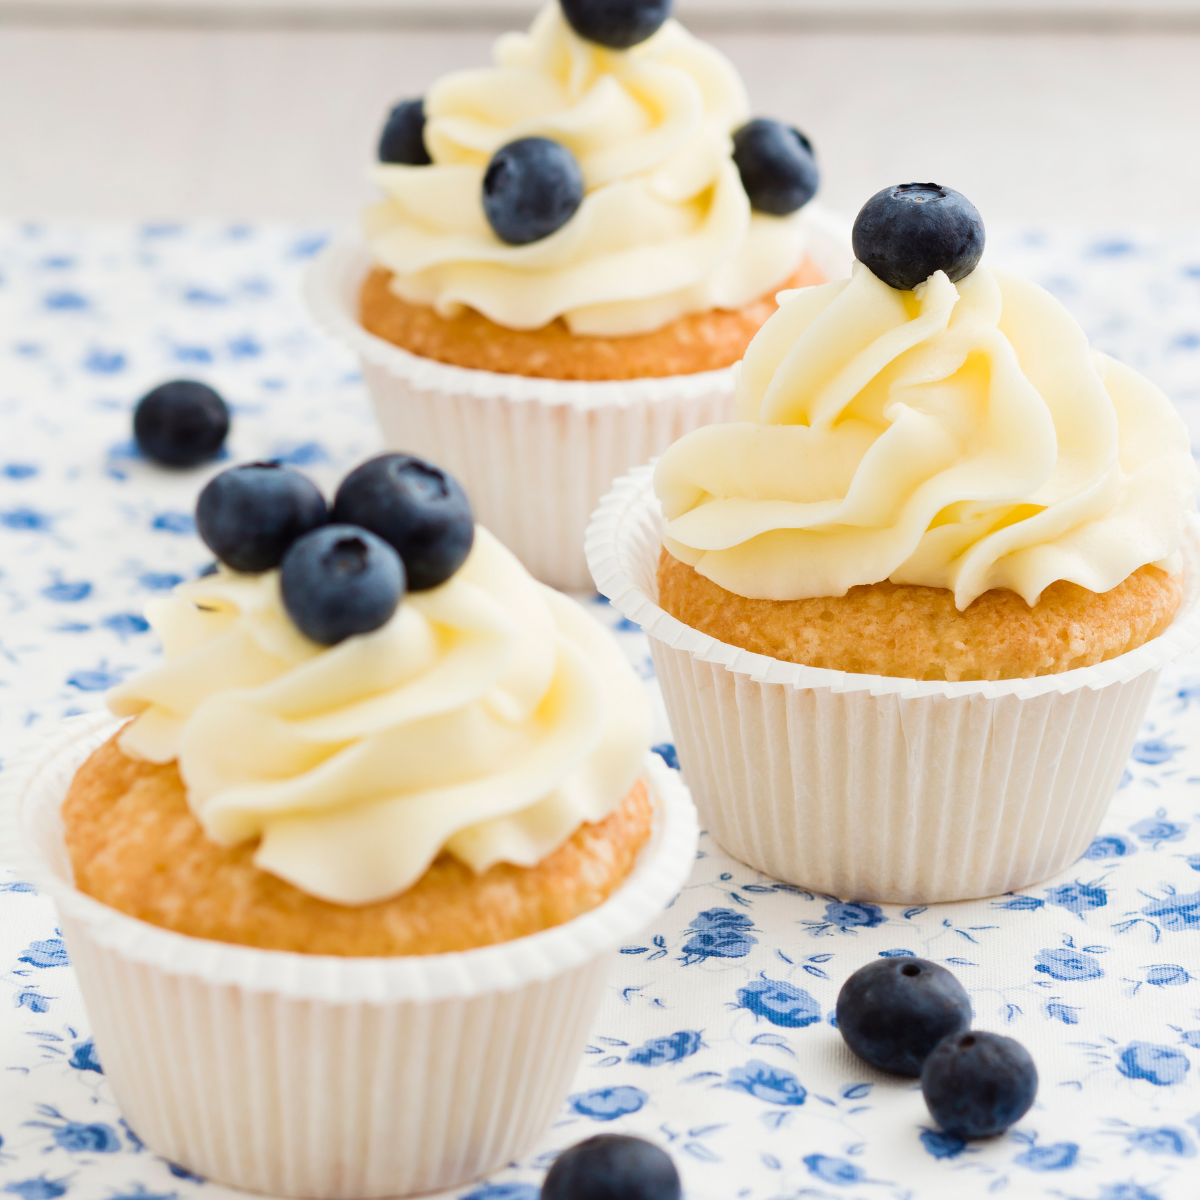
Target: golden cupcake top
pixel 928 421
pixel 364 694
pixel 604 171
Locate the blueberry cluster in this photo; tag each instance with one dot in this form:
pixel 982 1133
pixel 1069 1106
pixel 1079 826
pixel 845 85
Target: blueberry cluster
pixel 906 233
pixel 533 186
pixel 397 523
pixel 912 1017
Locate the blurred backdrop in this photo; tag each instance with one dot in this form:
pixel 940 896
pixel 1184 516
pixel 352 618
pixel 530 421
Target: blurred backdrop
pixel 1081 111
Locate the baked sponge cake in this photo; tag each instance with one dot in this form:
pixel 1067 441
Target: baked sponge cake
pixel 373 735
pixel 590 207
pixel 931 475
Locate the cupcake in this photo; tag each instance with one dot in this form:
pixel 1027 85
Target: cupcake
pixel 359 859
pixel 909 607
pixel 574 246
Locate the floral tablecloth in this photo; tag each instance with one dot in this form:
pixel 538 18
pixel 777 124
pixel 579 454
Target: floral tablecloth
pixel 716 1036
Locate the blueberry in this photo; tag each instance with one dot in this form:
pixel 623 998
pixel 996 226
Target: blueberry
pixel 777 166
pixel 421 511
pixel 403 137
pixel 532 188
pixel 340 580
pixel 978 1084
pixel 617 24
pixel 612 1167
pixel 906 233
pixel 180 423
pixel 893 1011
pixel 248 516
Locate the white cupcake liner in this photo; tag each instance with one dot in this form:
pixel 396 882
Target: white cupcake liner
pixel 300 1075
pixel 868 787
pixel 535 455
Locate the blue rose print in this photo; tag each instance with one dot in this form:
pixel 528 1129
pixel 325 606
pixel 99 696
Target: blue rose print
pixel 40 1188
pixel 1110 845
pixel 607 1104
pixel 669 1049
pixel 853 915
pixel 1157 829
pixel 834 1170
pixel 1163 1140
pixel 941 1144
pixel 1176 913
pixel 1159 1065
pixel 1057 1157
pixel 50 953
pixel 768 1083
pixel 1167 975
pixel 504 1191
pixel 34 1001
pixel 83 1057
pixel 1068 964
pixel 780 1002
pixel 719 933
pixel 1125 1191
pixel 1077 897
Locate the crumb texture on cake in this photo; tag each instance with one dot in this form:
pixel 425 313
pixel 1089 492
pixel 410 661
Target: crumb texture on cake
pixel 703 341
pixel 915 632
pixel 135 845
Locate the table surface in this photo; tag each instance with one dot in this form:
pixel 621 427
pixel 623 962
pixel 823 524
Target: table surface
pixel 715 1035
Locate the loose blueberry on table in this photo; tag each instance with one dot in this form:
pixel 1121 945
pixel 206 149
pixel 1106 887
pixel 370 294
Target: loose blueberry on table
pixel 420 510
pixel 338 581
pixel 181 423
pixel 403 137
pixel 248 516
pixel 617 24
pixel 777 166
pixel 531 189
pixel 978 1084
pixel 906 233
pixel 612 1167
pixel 894 1011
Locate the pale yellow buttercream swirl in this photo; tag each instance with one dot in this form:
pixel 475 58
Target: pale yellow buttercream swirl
pixel 489 718
pixel 958 436
pixel 665 227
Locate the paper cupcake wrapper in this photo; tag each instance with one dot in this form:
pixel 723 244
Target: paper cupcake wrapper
pixel 535 455
pixel 300 1075
pixel 868 787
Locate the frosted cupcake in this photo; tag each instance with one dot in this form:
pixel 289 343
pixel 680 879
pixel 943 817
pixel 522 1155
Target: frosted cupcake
pixel 932 481
pixel 401 828
pixel 596 207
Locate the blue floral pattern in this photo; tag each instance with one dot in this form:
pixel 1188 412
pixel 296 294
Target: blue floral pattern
pixel 716 1037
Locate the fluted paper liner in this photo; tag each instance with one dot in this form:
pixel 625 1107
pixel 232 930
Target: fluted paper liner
pixel 300 1075
pixel 535 455
pixel 868 787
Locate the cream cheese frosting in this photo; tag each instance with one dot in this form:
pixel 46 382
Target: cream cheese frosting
pixel 665 227
pixel 489 718
pixel 960 436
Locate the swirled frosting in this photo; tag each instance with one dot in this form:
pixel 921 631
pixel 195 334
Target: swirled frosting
pixel 665 227
pixel 957 436
pixel 489 718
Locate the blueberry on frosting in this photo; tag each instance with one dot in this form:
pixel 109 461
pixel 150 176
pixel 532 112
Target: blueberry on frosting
pixel 612 1167
pixel 338 581
pixel 617 24
pixel 181 423
pixel 248 516
pixel 906 233
pixel 978 1084
pixel 777 166
pixel 417 508
pixel 531 189
pixel 403 137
